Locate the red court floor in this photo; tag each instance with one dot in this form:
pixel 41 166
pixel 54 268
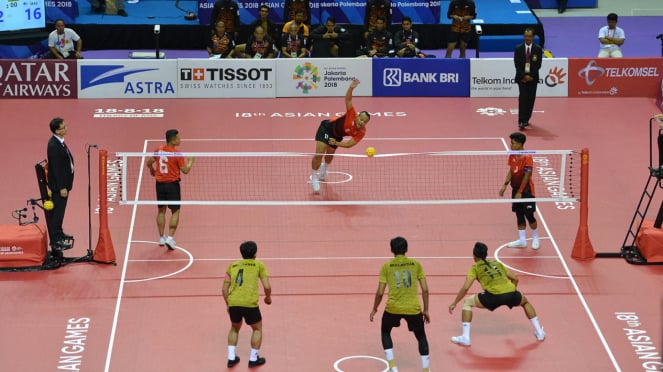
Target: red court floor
pixel 163 311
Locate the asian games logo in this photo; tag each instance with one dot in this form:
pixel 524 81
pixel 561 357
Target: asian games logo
pixel 306 76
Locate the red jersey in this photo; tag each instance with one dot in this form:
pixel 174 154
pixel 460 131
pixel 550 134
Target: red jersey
pixel 168 166
pixel 345 126
pixel 519 165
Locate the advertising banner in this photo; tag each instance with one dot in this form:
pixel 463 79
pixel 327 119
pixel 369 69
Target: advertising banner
pixel 322 77
pixel 659 98
pixel 217 78
pixel 494 77
pixel 415 77
pixel 66 10
pixel 615 77
pixel 127 78
pixel 37 78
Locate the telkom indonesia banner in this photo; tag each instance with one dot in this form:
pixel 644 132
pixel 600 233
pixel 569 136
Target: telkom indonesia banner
pixel 127 78
pixel 217 78
pixel 495 78
pixel 344 11
pixel 615 77
pixel 415 77
pixel 322 77
pixel 36 78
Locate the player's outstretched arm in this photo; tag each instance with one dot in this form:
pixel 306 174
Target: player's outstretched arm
pixel 348 94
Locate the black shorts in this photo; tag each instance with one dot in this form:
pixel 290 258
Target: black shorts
pixel 526 207
pixel 251 315
pixel 492 301
pixel 169 192
pixel 325 132
pixel 454 37
pixel 390 321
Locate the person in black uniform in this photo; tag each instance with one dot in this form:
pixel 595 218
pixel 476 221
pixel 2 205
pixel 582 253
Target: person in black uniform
pixel 60 170
pixel 527 59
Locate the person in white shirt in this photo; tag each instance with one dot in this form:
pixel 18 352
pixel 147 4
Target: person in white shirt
pixel 611 38
pixel 64 43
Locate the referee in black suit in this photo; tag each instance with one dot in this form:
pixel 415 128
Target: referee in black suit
pixel 527 59
pixel 60 181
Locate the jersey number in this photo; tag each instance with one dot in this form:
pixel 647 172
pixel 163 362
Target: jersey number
pixel 240 277
pixel 163 165
pixel 403 279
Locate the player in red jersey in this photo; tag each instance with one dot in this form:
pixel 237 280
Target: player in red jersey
pixel 170 163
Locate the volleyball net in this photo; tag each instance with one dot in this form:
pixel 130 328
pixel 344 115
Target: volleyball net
pixel 284 178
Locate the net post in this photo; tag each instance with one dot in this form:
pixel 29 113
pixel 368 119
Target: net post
pixel 582 247
pixel 104 252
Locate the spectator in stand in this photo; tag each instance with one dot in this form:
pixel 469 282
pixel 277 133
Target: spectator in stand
pixel 376 9
pixel 271 29
pixel 113 8
pixel 611 38
pixel 293 43
pixel 379 42
pixel 299 21
pixel 327 38
pixel 221 44
pixel 461 12
pixel 258 46
pixel 228 12
pixel 292 6
pixel 406 39
pixel 64 43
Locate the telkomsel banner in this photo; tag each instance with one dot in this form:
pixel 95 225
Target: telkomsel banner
pixel 495 77
pixel 127 78
pixel 415 77
pixel 217 78
pixel 615 77
pixel 38 79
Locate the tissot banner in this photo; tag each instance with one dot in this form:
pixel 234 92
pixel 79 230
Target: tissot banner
pixel 218 78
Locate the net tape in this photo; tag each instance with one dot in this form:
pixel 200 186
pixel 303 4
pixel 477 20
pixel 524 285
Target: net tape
pixel 284 178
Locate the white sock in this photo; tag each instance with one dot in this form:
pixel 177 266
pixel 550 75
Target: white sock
pixel 535 233
pixel 323 168
pixel 521 234
pixel 466 329
pixel 425 361
pixel 254 355
pixel 536 324
pixel 231 352
pixel 314 174
pixel 389 354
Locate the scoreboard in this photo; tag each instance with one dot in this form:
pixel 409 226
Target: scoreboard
pixel 21 15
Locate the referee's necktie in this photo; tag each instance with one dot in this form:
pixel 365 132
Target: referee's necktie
pixel 527 54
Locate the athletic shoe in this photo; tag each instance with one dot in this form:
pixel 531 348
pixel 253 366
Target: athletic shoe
pixel 535 243
pixel 316 184
pixel 231 363
pixel 170 243
pixel 540 336
pixel 521 126
pixel 461 340
pixel 517 244
pixel 162 241
pixel 258 362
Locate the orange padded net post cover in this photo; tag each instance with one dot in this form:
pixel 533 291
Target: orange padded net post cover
pixel 104 252
pixel 582 248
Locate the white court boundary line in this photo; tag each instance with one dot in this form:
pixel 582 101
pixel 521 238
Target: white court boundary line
pixel 501 139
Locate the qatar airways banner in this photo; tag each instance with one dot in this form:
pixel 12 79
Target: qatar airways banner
pixel 344 11
pixel 495 77
pixel 615 77
pixel 36 78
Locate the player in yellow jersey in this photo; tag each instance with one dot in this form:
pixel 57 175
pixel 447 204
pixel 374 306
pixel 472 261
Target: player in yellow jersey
pixel 499 285
pixel 401 274
pixel 241 292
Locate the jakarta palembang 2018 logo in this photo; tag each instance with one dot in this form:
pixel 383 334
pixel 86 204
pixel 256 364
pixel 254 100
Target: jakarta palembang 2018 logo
pixel 306 76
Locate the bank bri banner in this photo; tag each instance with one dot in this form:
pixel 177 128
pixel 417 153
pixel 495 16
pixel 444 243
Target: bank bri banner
pixel 428 77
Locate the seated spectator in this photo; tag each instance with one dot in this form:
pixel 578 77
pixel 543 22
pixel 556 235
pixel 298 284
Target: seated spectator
pixel 406 40
pixel 376 9
pixel 299 21
pixel 293 43
pixel 270 27
pixel 379 42
pixel 258 46
pixel 611 38
pixel 290 7
pixel 327 39
pixel 64 43
pixel 228 12
pixel 112 9
pixel 461 12
pixel 221 44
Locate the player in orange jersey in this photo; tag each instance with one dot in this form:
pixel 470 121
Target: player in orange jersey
pixel 170 163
